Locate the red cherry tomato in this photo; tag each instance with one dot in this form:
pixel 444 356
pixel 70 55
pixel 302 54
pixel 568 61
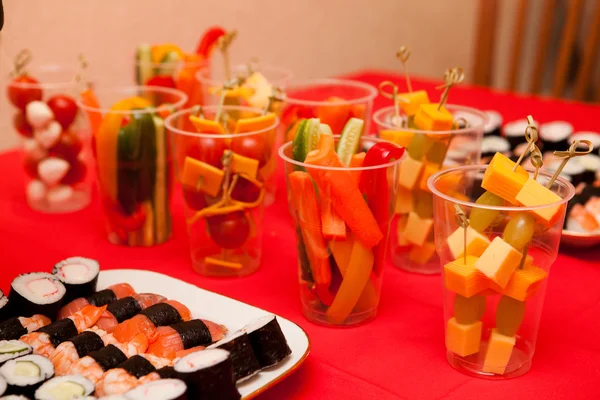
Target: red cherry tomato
pixel 229 231
pixel 23 90
pixel 162 81
pixel 245 191
pixel 68 147
pixel 75 174
pixel 253 146
pixel 21 125
pixel 207 150
pixel 194 199
pixel 64 109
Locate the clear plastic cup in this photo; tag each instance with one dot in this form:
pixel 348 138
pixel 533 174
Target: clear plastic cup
pixel 55 139
pixel 133 161
pixel 428 152
pixel 223 181
pixel 340 270
pixel 492 311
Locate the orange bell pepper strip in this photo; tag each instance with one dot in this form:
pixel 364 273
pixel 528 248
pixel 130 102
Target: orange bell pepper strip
pixel 306 204
pixel 357 161
pixel 254 124
pixel 335 114
pixel 206 125
pixel 88 98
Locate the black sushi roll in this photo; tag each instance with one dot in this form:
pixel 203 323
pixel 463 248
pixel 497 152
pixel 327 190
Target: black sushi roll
pixel 491 145
pixel 593 137
pixel 555 135
pixel 514 132
pixel 65 387
pixel 11 349
pixel 574 171
pixel 5 312
pixel 37 293
pixel 591 163
pixel 268 341
pixel 108 357
pixel 137 366
pixel 164 389
pixel 25 374
pixel 12 329
pixel 162 314
pixel 86 342
pixel 59 331
pixel 494 124
pixel 208 374
pixel 245 364
pixel 79 275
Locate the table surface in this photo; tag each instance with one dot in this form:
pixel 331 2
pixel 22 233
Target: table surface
pixel 400 355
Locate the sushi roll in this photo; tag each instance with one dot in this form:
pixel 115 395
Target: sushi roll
pixel 25 374
pixel 126 308
pixel 37 293
pixel 97 362
pixel 69 352
pixel 11 349
pixel 2 385
pixel 268 341
pixel 515 132
pixel 593 137
pixel 245 364
pixel 574 171
pixel 185 335
pixel 65 388
pixel 14 328
pixel 491 145
pixel 555 135
pixel 14 397
pixel 5 312
pixel 208 374
pixel 79 275
pixel 591 163
pixel 494 123
pixel 165 389
pixel 98 299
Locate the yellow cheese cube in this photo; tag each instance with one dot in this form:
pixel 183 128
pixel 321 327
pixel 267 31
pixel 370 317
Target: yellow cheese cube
pixel 463 339
pixel 411 101
pixel 417 229
pixel 476 242
pixel 201 176
pixel 422 254
pixel 429 170
pixel 429 118
pixel 404 203
pixel 401 138
pixel 498 261
pixel 498 352
pixel 524 282
pixel 463 278
pixel 402 242
pixel 410 171
pixel 501 180
pixel 533 194
pixel 244 165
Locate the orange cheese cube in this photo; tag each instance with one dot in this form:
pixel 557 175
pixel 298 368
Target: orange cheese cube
pixel 206 125
pixel 463 339
pixel 402 242
pixel 429 170
pixel 422 254
pixel 501 180
pixel 533 194
pixel 404 202
pixel 524 282
pixel 476 242
pixel 429 118
pixel 244 165
pixel 410 171
pixel 202 176
pixel 401 138
pixel 498 352
pixel 411 101
pixel 463 278
pixel 498 261
pixel 417 229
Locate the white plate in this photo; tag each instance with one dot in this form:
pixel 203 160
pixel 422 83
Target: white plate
pixel 224 310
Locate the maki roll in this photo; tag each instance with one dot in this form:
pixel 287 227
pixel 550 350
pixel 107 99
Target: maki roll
pixel 69 352
pixel 593 137
pixel 208 374
pixel 165 389
pixel 98 299
pixel 126 308
pixel 14 328
pixel 574 171
pixel 494 123
pixel 245 364
pixel 4 308
pixel 514 132
pixel 555 135
pixel 65 387
pixel 491 145
pixel 185 335
pixel 79 275
pixel 14 397
pixel 11 349
pixel 2 385
pixel 37 293
pixel 25 374
pixel 97 362
pixel 268 341
pixel 591 163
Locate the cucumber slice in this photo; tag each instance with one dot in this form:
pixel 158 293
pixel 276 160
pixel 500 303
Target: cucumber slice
pixel 27 368
pixel 307 138
pixel 67 390
pixel 143 66
pixel 12 348
pixel 350 140
pixel 325 130
pixel 168 64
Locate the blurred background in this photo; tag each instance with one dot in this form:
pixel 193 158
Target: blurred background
pixel 517 45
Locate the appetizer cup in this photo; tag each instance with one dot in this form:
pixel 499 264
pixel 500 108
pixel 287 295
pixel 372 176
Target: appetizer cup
pixel 133 160
pixel 55 139
pixel 494 277
pixel 411 236
pixel 342 217
pixel 223 180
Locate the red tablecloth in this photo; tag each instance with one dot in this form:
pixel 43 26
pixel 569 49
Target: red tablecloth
pixel 399 355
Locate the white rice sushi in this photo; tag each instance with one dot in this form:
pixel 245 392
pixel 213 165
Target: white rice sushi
pixel 79 275
pixel 4 310
pixel 515 132
pixel 591 163
pixel 574 171
pixel 37 293
pixel 208 374
pixel 494 123
pixel 593 137
pixel 2 385
pixel 10 349
pixel 65 388
pixel 555 135
pixel 163 389
pixel 25 374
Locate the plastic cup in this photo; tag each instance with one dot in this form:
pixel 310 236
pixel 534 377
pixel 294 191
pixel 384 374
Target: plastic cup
pixel 55 140
pixel 491 324
pixel 133 161
pixel 340 277
pixel 428 152
pixel 223 181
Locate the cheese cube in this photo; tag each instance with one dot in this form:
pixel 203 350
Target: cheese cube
pixel 417 229
pixel 401 138
pixel 404 203
pixel 500 179
pixel 498 261
pixel 410 171
pixel 524 282
pixel 244 165
pixel 422 254
pixel 463 278
pixel 429 118
pixel 202 176
pixel 411 101
pixel 429 170
pixel 463 339
pixel 476 242
pixel 498 352
pixel 402 242
pixel 533 194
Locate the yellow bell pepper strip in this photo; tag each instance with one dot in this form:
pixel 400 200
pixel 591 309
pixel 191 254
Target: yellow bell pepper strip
pixel 206 125
pixel 307 207
pixel 354 282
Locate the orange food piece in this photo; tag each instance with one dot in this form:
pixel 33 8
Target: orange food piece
pixel 410 172
pixel 333 225
pixel 160 50
pixel 220 263
pixel 202 176
pixel 401 226
pixel 89 99
pixel 523 284
pixel 534 194
pixel 429 118
pixel 410 102
pixel 334 115
pixel 463 339
pixel 585 218
pixel 255 123
pixel 404 201
pixel 476 242
pixel 206 125
pixel 430 169
pixel 401 138
pixel 417 229
pixel 422 254
pixel 499 261
pixel 501 180
pixel 498 352
pixel 463 278
pixel 244 165
pixel 357 161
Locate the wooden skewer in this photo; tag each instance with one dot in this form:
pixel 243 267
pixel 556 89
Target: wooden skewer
pixel 463 222
pixel 403 55
pixel 452 76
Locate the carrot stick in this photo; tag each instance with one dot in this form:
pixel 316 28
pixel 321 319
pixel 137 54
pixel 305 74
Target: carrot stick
pixel 333 225
pixel 357 161
pixel 88 97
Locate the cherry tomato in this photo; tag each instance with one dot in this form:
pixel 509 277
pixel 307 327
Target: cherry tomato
pixel 75 174
pixel 253 146
pixel 229 231
pixel 68 147
pixel 207 150
pixel 162 81
pixel 245 191
pixel 23 90
pixel 64 109
pixel 194 199
pixel 21 125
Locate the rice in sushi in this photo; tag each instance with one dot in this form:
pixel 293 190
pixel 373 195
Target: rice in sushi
pixel 37 293
pixel 25 374
pixel 79 275
pixel 10 349
pixel 494 123
pixel 245 364
pixel 555 136
pixel 164 389
pixel 515 132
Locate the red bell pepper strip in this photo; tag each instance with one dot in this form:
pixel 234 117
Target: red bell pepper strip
pixel 374 185
pixel 208 40
pixel 307 206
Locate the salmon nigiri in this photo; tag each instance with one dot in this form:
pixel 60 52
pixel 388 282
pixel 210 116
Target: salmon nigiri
pixel 101 298
pixel 126 308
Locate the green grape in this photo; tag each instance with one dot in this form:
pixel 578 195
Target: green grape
pixel 437 151
pixel 423 203
pixel 519 230
pixel 509 315
pixel 419 146
pixel 480 219
pixel 469 309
